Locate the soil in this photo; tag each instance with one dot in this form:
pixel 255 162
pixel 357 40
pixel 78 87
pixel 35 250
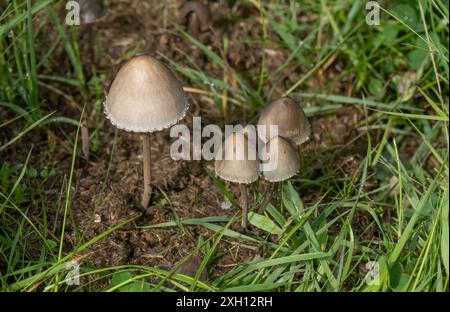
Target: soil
pixel 106 189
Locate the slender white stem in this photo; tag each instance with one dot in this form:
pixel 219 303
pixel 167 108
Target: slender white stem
pixel 147 195
pixel 244 205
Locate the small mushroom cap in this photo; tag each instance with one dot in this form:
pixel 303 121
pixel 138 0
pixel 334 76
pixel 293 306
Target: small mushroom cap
pixel 191 266
pixel 290 118
pixel 239 163
pixel 91 11
pixel 287 165
pixel 200 9
pixel 145 96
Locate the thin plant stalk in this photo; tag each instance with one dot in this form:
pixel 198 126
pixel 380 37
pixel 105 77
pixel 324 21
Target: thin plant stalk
pixel 267 197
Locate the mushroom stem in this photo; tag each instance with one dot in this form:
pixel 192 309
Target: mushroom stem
pixel 147 195
pixel 193 24
pixel 85 139
pixel 244 205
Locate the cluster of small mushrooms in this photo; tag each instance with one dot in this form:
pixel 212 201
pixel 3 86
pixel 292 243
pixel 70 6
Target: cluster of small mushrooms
pixel 293 130
pixel 146 97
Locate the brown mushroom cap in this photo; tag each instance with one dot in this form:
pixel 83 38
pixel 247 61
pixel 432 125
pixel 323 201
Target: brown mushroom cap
pixel 191 266
pixel 288 164
pixel 234 169
pixel 91 11
pixel 290 118
pixel 200 9
pixel 145 96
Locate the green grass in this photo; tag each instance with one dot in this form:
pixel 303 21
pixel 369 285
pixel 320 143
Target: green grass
pixel 400 81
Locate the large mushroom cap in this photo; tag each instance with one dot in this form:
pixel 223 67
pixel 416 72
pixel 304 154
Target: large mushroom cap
pixel 290 119
pixel 287 165
pixel 239 162
pixel 91 11
pixel 145 96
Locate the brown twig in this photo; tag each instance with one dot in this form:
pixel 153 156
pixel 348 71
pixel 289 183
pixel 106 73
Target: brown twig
pixel 267 197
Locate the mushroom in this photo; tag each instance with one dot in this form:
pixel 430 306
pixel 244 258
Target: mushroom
pixel 197 15
pixel 145 97
pixel 287 164
pixel 91 11
pixel 293 126
pixel 236 165
pixel 290 119
pixel 191 266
